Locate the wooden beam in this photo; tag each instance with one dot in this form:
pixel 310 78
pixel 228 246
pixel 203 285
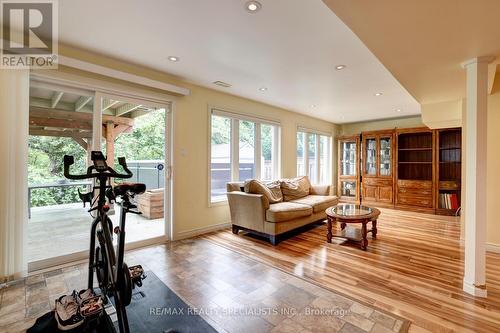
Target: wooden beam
pixel 126 108
pixel 81 142
pixel 118 120
pixel 123 129
pixel 60 123
pixel 108 103
pixel 62 105
pixel 76 116
pixel 81 102
pixel 110 144
pixel 56 97
pixel 61 134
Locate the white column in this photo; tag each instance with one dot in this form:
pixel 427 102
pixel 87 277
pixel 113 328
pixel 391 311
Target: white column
pixel 475 176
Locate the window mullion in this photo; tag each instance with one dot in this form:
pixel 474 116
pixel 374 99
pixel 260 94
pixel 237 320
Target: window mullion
pixel 235 150
pixel 276 158
pixel 305 139
pixel 257 151
pixel 318 159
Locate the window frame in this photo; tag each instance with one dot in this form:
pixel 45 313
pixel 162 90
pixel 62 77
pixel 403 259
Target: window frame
pixel 235 118
pixel 305 153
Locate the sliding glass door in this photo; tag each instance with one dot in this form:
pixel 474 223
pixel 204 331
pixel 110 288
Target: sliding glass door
pixel 62 122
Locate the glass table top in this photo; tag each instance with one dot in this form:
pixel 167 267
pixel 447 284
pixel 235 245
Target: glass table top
pixel 351 210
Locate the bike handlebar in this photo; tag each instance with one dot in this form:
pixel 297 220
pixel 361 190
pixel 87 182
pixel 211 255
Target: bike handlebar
pixel 109 173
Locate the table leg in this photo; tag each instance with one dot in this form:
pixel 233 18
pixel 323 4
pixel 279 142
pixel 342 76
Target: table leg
pixel 329 228
pixel 364 240
pixel 374 229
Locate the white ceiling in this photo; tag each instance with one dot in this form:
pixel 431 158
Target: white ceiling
pixel 290 47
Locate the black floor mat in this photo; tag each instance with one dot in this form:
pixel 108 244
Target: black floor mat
pixel 154 309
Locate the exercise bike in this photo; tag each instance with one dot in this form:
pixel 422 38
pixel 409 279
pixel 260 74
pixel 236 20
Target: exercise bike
pixel 115 278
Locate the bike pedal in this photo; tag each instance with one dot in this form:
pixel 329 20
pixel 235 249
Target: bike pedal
pixel 137 274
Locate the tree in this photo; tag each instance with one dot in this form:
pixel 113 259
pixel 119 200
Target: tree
pixel 45 161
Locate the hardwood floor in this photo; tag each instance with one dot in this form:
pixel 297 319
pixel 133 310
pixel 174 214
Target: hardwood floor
pixel 413 269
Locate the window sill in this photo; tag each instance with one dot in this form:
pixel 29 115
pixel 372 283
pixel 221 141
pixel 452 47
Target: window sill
pixel 218 202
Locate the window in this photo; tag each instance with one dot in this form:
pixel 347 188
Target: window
pixel 241 148
pixel 314 156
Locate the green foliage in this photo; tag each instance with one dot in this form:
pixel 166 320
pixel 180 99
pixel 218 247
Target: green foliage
pixel 45 161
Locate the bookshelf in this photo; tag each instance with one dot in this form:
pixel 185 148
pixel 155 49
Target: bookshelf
pixel 415 169
pixel 449 171
pixel 415 156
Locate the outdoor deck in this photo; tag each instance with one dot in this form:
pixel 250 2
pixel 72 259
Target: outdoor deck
pixel 64 229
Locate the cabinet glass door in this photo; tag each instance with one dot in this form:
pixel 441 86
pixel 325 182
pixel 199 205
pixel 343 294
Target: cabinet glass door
pixel 348 189
pixel 371 157
pixel 348 158
pixel 385 156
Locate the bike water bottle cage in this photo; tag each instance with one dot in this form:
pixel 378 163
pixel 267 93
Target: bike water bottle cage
pixel 86 197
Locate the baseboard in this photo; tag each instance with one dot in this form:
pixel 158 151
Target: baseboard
pixel 495 248
pixel 200 231
pixel 490 247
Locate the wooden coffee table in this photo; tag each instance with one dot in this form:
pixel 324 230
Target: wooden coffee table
pixel 347 214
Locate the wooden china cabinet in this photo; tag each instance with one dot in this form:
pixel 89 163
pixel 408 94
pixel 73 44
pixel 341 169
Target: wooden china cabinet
pixel 378 168
pixel 416 169
pixel 348 169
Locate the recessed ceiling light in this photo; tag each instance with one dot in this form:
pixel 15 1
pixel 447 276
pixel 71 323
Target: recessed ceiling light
pixel 173 58
pixel 340 67
pixel 263 89
pixel 313 105
pixel 253 6
pixel 398 110
pixel 378 94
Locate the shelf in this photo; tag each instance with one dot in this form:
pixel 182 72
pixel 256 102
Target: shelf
pixel 415 162
pixel 451 148
pixel 414 149
pixel 450 162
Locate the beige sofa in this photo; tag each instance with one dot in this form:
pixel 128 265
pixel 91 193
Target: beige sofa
pixel 252 212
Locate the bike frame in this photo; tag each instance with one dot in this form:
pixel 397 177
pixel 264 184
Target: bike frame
pixel 115 264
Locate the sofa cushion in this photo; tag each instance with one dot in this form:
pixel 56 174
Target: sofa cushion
pixel 271 191
pixel 318 202
pixel 286 211
pixel 295 188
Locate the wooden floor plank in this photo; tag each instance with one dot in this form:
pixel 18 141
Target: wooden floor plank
pixel 414 269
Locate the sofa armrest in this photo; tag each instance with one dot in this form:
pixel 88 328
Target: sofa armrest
pixel 248 210
pixel 320 189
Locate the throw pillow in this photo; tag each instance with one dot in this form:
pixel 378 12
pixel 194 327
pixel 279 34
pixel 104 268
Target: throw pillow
pixel 275 188
pixel 295 188
pixel 269 191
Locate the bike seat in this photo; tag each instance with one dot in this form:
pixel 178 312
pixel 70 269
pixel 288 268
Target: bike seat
pixel 132 188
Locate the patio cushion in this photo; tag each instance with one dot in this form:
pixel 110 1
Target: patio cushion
pixel 319 203
pixel 286 211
